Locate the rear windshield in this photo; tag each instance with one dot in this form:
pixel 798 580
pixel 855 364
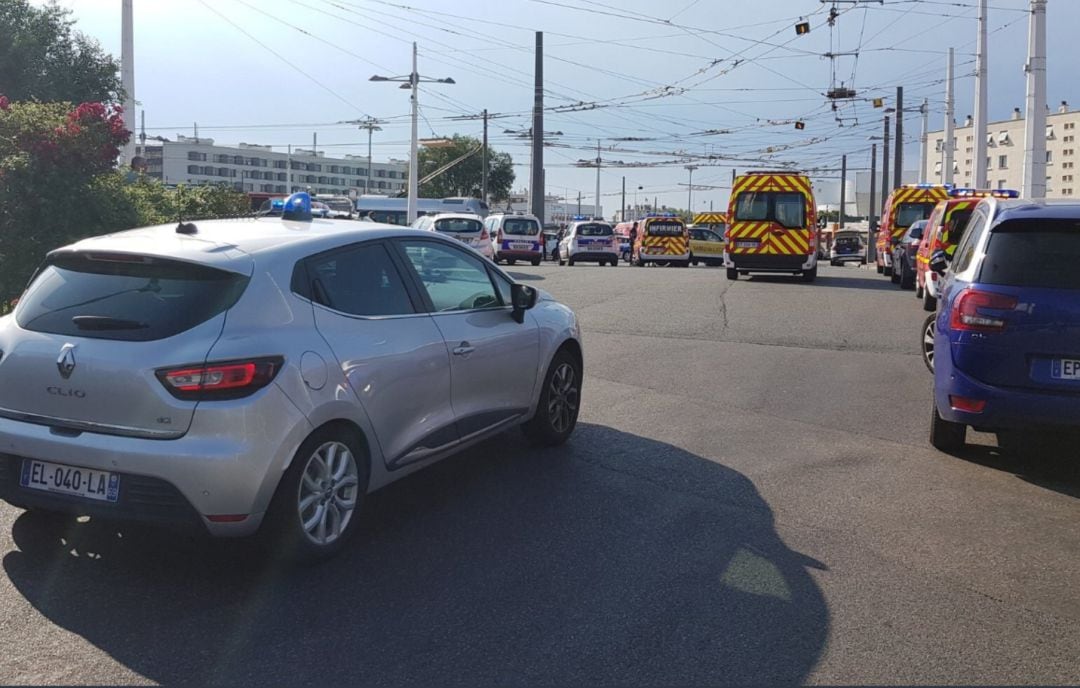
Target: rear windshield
pixel 847 241
pixel 668 229
pixel 916 231
pixel 521 226
pixel 909 213
pixel 594 230
pixel 787 209
pixel 1033 253
pixel 125 298
pixel 457 225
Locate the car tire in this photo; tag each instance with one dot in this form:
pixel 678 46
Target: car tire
pixel 809 275
pixel 918 288
pixel 929 303
pixel 893 274
pixel 335 458
pixel 880 269
pixel 732 274
pixel 945 435
pixel 614 263
pixel 570 261
pixel 927 336
pixel 511 261
pixel 536 263
pixel 907 276
pixel 559 403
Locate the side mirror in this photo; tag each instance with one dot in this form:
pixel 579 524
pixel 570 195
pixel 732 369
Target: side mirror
pixel 939 261
pixel 522 298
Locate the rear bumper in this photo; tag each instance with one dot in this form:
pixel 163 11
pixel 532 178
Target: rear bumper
pixel 664 257
pixel 769 263
pixel 1006 408
pixel 229 462
pixel 848 258
pixel 503 254
pixel 594 256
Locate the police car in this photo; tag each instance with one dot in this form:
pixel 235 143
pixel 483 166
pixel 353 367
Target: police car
pixel 591 241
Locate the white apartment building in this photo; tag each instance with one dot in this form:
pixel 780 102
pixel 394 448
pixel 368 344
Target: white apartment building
pixel 556 208
pixel 261 169
pixel 1005 153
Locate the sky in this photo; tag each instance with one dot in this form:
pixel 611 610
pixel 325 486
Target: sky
pixel 716 83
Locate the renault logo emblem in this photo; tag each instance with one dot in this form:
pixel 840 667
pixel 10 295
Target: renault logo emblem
pixel 66 362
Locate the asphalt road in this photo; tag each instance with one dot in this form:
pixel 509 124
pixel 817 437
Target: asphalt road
pixel 750 497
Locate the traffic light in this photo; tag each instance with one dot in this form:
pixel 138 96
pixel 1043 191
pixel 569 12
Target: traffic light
pixel 879 102
pixel 800 125
pixel 802 28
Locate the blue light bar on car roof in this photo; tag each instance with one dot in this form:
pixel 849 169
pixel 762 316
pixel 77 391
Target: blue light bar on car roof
pixel 297 207
pixel 984 193
pixel 928 185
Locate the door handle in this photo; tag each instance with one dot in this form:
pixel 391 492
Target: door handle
pixel 464 349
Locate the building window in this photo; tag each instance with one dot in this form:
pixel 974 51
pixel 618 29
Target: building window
pixel 1068 151
pixel 1050 132
pixel 223 171
pixel 196 155
pixel 1003 138
pixel 1049 157
pixel 192 169
pixel 334 169
pixel 968 150
pixel 1001 183
pixel 1003 162
pixel 380 173
pixel 968 138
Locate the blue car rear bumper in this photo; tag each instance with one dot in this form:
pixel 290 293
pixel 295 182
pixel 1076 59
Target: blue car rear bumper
pixel 1006 408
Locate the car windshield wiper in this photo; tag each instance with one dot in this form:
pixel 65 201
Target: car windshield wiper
pixel 104 322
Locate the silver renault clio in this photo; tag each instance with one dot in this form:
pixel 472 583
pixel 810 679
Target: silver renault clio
pixel 265 374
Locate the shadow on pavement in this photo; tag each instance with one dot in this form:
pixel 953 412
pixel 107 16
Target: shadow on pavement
pixel 1052 465
pixel 857 282
pixel 614 560
pixel 525 276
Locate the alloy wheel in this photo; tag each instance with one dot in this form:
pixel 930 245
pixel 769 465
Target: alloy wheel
pixel 929 332
pixel 327 496
pixel 563 398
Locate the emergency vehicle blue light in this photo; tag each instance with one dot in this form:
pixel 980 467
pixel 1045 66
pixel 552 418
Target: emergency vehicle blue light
pixel 966 192
pixel 928 185
pixel 297 207
pixel 579 218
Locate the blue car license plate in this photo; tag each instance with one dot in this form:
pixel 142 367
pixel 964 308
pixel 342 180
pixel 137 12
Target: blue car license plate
pixel 1065 369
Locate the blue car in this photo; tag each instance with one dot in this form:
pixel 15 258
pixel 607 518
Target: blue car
pixel 1008 323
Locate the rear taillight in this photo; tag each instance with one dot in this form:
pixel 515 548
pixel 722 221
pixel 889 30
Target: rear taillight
pixel 970 314
pixel 499 236
pixel 220 380
pixel 966 404
pixel 484 236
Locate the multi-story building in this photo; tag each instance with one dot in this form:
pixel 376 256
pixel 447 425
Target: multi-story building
pixel 556 208
pixel 261 169
pixel 1005 153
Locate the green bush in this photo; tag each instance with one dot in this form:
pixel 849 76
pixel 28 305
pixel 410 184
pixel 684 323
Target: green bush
pixel 58 184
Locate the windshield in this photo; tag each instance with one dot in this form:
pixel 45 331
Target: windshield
pixel 665 229
pixel 787 209
pixel 909 213
pixel 340 205
pixel 129 298
pixel 1033 253
pixel 847 242
pixel 521 226
pixel 457 225
pixel 594 230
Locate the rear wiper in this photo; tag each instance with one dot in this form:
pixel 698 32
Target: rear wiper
pixel 104 322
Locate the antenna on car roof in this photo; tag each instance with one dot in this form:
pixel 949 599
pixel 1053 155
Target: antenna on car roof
pixel 188 228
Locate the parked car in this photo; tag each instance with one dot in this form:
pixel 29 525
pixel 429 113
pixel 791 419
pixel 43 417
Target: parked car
pixel 239 375
pixel 706 246
pixel 467 228
pixel 1008 323
pixel 847 247
pixel 515 237
pixel 591 241
pixel 904 255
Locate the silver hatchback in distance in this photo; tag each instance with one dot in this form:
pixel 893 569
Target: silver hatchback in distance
pixel 266 374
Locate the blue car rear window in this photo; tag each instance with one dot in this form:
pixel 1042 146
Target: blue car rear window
pixel 1033 253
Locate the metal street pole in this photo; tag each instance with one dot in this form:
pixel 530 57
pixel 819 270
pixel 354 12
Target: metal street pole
pixel 898 171
pixel 622 215
pixel 885 188
pixel 950 117
pixel 924 150
pixel 484 180
pixel 871 232
pixel 127 77
pixel 843 190
pixel 596 208
pixel 1034 184
pixel 979 126
pixel 537 182
pixel 690 190
pixel 411 82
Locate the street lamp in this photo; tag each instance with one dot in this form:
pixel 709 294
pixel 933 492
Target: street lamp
pixel 412 82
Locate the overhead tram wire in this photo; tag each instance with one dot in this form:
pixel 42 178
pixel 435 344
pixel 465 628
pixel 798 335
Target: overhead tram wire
pixel 285 60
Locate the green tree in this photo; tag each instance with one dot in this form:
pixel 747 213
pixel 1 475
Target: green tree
pixel 58 184
pixel 466 177
pixel 43 58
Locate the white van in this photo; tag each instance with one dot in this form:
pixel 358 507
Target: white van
pixel 467 228
pixel 515 237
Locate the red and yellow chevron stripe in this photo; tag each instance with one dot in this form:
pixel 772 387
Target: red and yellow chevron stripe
pixel 769 237
pixel 931 194
pixel 672 246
